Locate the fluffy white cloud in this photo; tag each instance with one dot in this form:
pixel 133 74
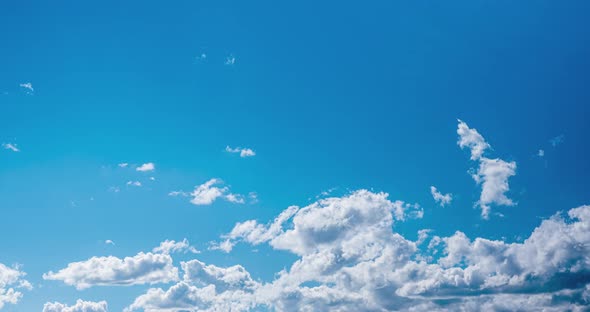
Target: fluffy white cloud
pixel 146 167
pixel 208 192
pixel 80 306
pixel 441 199
pixel 244 152
pixel 143 268
pixel 11 281
pixel 470 138
pixel 11 147
pixel 492 174
pixel 350 259
pixel 171 246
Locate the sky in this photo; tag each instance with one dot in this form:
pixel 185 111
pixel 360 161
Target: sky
pixel 294 156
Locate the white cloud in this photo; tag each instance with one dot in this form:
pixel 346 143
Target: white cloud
pixel 11 281
pixel 244 152
pixel 470 138
pixel 171 246
pixel 123 165
pixel 27 86
pixel 109 242
pixel 133 183
pixel 492 174
pixel 347 249
pixel 208 192
pixel 230 60
pixel 11 147
pixel 557 140
pixel 143 268
pixel 146 167
pixel 80 306
pixel 442 199
pixel 541 153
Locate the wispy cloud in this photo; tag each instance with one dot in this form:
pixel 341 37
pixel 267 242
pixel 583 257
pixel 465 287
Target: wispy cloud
pixel 134 183
pixel 557 140
pixel 230 60
pixel 442 199
pixel 11 146
pixel 109 242
pixel 244 152
pixel 27 86
pixel 123 165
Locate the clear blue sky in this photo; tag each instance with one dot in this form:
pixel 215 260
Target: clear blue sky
pixel 332 97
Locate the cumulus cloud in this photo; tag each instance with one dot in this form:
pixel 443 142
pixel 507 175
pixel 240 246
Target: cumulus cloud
pixel 80 306
pixel 11 284
pixel 146 167
pixel 171 246
pixel 492 174
pixel 350 259
pixel 244 152
pixel 441 199
pixel 143 268
pixel 11 147
pixel 470 138
pixel 208 192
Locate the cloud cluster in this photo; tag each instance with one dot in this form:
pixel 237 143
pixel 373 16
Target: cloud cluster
pixel 11 281
pixel 208 192
pixel 350 259
pixel 492 174
pixel 80 306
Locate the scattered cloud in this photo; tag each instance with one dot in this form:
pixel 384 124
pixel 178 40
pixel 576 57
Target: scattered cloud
pixel 146 167
pixel 244 152
pixel 441 199
pixel 541 153
pixel 557 140
pixel 171 246
pixel 80 306
pixel 11 283
pixel 133 183
pixel 28 87
pixel 123 165
pixel 208 192
pixel 201 57
pixel 109 242
pixel 11 146
pixel 114 189
pixel 143 268
pixel 492 174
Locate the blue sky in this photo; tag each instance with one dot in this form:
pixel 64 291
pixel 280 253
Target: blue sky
pixel 228 113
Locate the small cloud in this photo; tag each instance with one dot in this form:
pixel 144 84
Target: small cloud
pixel 253 196
pixel 201 57
pixel 123 165
pixel 235 198
pixel 178 193
pixel 114 189
pixel 11 146
pixel 146 167
pixel 442 199
pixel 557 140
pixel 230 60
pixel 109 242
pixel 152 179
pixel 244 152
pixel 134 183
pixel 170 246
pixel 541 153
pixel 208 192
pixel 28 87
